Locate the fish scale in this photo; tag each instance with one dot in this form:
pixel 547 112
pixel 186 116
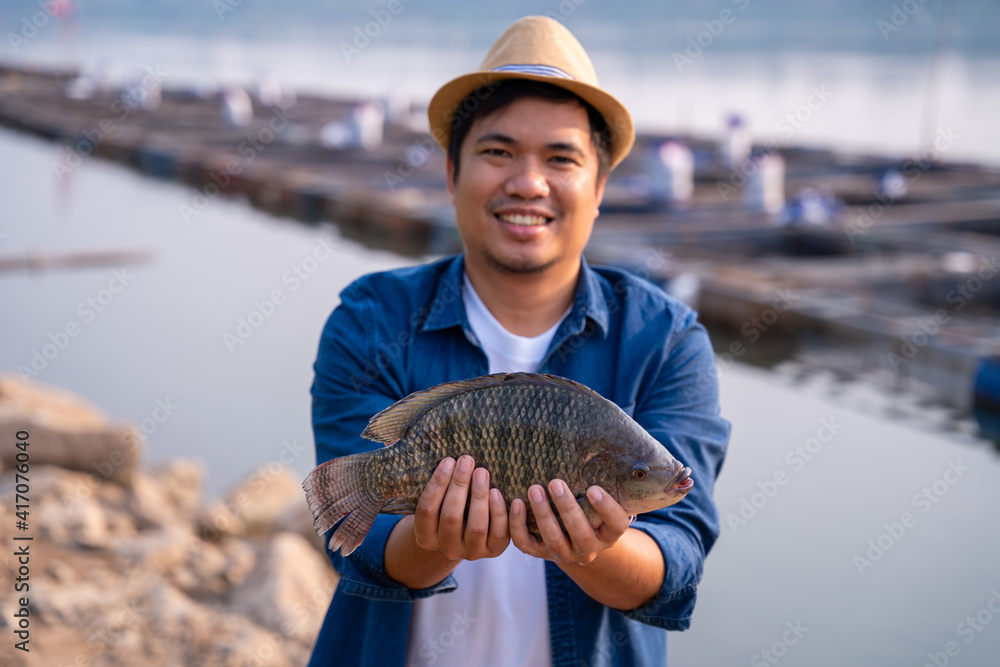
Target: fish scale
pixel 525 428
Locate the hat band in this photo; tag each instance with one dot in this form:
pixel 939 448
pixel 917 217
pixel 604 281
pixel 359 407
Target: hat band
pixel 543 70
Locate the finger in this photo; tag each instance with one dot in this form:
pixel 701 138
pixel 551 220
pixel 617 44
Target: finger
pixel 452 522
pixel 478 521
pixel 425 520
pixel 499 536
pixel 548 525
pixel 614 515
pixel 581 534
pixel 519 534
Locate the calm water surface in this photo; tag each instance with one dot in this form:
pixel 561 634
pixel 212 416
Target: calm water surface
pixel 798 524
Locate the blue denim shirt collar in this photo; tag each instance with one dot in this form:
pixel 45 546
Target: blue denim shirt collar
pixel 588 303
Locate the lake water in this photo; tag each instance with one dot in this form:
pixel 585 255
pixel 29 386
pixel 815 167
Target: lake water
pixel 880 548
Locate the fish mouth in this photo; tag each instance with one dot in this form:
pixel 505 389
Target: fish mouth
pixel 683 483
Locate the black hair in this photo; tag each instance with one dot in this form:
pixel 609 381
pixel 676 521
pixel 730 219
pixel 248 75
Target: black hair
pixel 498 95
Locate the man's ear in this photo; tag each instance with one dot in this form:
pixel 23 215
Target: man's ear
pixel 449 168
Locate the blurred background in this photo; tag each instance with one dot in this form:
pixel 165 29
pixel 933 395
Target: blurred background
pixel 185 188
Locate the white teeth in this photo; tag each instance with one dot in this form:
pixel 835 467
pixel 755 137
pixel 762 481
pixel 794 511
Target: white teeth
pixel 523 220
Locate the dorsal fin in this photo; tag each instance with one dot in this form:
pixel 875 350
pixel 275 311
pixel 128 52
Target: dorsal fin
pixel 392 423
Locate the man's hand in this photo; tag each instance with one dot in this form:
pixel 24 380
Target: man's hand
pixel 619 567
pixel 425 548
pixel 581 543
pixel 440 524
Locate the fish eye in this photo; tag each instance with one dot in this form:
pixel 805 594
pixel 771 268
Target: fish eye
pixel 640 470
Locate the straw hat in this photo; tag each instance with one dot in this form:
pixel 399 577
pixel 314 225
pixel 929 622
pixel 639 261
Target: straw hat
pixel 536 48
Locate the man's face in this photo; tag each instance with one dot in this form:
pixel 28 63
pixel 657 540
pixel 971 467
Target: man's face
pixel 527 193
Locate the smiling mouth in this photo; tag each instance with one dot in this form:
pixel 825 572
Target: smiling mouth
pixel 523 220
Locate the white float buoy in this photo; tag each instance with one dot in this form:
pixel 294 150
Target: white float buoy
pixel 765 190
pixel 237 108
pixel 369 122
pixel 736 145
pixel 673 174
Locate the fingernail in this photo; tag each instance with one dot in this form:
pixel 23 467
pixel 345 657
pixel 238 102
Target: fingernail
pixel 557 487
pixel 496 496
pixel 448 464
pixel 515 506
pixel 480 477
pixel 465 463
pixel 596 494
pixel 536 495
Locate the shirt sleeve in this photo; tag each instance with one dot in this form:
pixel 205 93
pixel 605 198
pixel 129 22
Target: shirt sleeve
pixel 351 385
pixel 679 406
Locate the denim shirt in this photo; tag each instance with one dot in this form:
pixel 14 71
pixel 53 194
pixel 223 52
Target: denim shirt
pixel 400 331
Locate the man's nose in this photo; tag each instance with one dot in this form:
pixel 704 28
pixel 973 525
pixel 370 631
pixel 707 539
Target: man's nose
pixel 527 180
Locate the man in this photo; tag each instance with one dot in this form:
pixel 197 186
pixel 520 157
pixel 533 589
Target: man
pixel 530 140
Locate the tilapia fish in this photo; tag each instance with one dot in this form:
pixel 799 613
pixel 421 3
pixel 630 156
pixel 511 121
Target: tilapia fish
pixel 525 428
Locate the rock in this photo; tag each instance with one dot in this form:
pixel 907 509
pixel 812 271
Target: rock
pixel 66 431
pixel 161 550
pixel 289 590
pixel 47 406
pixel 73 509
pixel 189 633
pixel 170 493
pixel 181 481
pixel 254 505
pixel 134 573
pixel 297 518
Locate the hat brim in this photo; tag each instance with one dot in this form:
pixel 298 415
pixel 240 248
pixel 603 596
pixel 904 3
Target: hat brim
pixel 444 105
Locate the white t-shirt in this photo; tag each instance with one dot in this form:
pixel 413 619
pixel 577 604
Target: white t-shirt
pixel 499 615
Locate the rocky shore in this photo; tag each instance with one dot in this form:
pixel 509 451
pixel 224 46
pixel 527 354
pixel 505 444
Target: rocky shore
pixel 130 566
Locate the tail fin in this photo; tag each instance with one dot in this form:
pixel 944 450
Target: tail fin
pixel 336 488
